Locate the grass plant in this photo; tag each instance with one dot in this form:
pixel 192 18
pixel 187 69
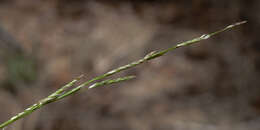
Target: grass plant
pixel 68 89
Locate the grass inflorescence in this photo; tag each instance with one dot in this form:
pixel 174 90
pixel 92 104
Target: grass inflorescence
pixel 67 90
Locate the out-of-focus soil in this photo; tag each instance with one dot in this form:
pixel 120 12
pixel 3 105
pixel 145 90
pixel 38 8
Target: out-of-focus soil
pixel 211 85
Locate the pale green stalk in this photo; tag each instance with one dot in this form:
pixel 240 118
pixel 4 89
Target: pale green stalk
pixel 110 81
pixel 64 91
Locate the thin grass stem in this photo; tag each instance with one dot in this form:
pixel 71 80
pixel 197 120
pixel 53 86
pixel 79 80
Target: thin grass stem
pixel 67 90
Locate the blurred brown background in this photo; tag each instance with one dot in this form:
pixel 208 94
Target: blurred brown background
pixel 213 85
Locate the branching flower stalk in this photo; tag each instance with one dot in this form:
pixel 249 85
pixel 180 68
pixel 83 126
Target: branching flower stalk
pixel 67 90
